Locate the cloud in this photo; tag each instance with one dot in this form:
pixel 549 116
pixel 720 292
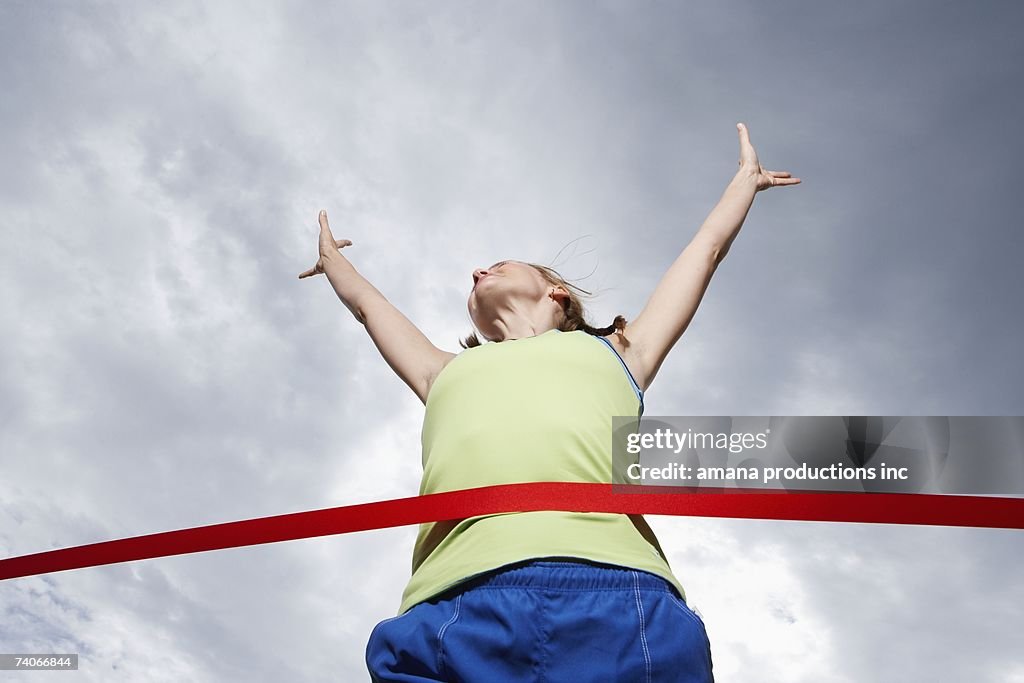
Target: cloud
pixel 163 367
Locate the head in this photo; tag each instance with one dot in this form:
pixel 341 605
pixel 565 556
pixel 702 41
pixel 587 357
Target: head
pixel 527 292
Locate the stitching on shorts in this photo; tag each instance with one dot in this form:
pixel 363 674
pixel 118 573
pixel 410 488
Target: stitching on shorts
pixel 543 637
pixel 695 619
pixel 643 636
pixel 687 611
pixel 389 619
pixel 440 634
pixel 565 589
pixel 376 628
pixel 678 602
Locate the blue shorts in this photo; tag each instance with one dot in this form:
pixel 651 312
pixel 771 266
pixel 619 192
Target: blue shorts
pixel 546 620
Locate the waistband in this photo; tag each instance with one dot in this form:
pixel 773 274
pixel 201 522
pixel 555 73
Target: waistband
pixel 569 574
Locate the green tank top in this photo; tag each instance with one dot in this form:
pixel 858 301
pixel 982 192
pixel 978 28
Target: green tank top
pixel 526 410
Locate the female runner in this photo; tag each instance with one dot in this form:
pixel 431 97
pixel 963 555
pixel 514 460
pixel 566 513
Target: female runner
pixel 540 596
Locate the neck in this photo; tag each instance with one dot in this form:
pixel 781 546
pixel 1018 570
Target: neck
pixel 513 322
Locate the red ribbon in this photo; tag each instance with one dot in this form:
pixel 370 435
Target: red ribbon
pixel 885 508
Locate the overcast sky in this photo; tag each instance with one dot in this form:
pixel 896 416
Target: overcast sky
pixel 162 366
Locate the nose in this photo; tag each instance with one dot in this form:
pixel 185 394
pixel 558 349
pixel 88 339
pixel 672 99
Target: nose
pixel 477 274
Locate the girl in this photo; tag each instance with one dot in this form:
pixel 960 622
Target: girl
pixel 540 596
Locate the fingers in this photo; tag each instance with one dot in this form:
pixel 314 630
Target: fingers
pixel 327 245
pixel 776 181
pixel 745 146
pixel 327 237
pixel 749 156
pixel 747 153
pixel 315 270
pixel 744 133
pixel 325 229
pixel 782 178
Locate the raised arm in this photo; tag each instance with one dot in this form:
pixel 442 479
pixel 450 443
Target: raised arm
pixel 407 350
pixel 668 312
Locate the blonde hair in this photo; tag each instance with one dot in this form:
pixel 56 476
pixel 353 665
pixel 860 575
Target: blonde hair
pixel 575 316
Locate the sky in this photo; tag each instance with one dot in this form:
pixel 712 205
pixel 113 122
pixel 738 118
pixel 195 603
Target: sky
pixel 163 367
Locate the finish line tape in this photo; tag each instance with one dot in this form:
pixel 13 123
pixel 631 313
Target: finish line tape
pixel 884 508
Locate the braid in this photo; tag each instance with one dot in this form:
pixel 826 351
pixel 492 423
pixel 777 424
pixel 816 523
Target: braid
pixel 619 325
pixel 575 319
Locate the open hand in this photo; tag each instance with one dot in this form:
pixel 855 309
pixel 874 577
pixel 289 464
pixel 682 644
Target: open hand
pixel 328 247
pixel 750 164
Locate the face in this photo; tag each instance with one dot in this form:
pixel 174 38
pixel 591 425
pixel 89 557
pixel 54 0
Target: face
pixel 502 282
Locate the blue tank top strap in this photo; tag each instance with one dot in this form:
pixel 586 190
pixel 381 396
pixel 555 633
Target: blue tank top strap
pixel 636 387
